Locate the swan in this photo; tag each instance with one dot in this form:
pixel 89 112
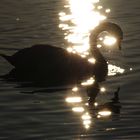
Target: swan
pixel 56 65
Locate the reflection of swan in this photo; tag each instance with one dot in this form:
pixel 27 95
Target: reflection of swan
pixel 56 65
pixel 112 107
pixel 93 109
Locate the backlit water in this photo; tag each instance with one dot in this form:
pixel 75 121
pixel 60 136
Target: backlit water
pixel 65 114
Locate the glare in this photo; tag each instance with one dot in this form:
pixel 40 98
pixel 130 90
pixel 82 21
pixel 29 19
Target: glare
pixel 98 116
pixel 104 113
pixel 62 14
pixel 108 40
pixel 88 82
pixel 86 104
pixel 66 6
pixel 92 60
pixel 87 126
pixel 75 89
pixel 95 104
pixel 83 56
pixel 95 1
pixel 74 38
pixel 86 116
pixel 81 48
pixel 86 53
pixel 113 70
pixel 102 89
pixel 73 99
pixel 69 49
pixel 100 7
pixel 81 17
pixel 107 10
pixel 77 20
pixel 99 46
pixel 63 26
pixel 87 122
pixel 65 18
pixel 78 109
pixel 82 12
pixel 101 38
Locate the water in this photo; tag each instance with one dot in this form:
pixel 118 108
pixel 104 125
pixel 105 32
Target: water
pixel 47 115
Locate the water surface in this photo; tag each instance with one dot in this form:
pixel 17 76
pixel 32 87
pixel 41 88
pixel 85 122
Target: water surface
pixel 47 115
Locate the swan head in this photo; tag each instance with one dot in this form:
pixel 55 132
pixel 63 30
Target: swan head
pixel 112 28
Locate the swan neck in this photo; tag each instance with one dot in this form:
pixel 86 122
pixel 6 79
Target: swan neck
pixel 94 49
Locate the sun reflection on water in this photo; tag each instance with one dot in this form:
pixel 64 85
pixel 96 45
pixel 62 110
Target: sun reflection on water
pixel 104 113
pixel 75 89
pixel 102 89
pixel 83 16
pixel 88 82
pixel 80 107
pixel 109 40
pixel 74 99
pixel 113 70
pixel 92 60
pixel 86 118
pixel 77 20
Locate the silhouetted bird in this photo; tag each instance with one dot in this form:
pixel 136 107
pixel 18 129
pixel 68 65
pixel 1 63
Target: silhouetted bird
pixel 56 66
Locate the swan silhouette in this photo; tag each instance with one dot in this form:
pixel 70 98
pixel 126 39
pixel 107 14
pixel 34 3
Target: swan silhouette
pixel 56 66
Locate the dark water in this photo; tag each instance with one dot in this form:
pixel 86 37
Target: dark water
pixel 45 116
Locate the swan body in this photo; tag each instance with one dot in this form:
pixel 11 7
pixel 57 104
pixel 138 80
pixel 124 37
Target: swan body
pixel 56 65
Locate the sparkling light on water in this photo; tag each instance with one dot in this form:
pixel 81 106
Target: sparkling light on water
pixel 75 89
pixel 77 20
pixel 78 109
pixel 73 99
pixel 102 89
pixel 83 16
pixel 86 120
pixel 104 113
pixel 92 60
pixel 88 82
pixel 109 40
pixel 113 70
